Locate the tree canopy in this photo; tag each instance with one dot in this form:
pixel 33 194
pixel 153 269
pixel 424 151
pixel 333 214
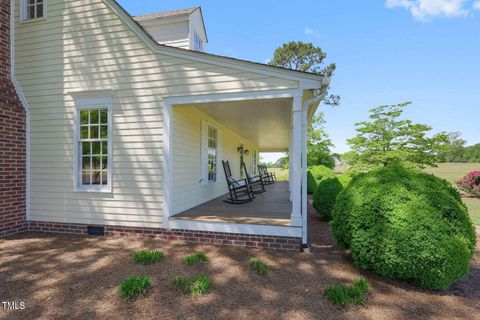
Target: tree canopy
pixel 306 57
pixel 387 139
pixel 319 144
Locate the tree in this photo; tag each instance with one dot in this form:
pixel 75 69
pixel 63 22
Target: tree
pixel 301 56
pixel 472 153
pixel 454 149
pixel 319 144
pixel 387 139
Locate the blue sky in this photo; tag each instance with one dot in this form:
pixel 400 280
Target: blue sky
pixel 386 51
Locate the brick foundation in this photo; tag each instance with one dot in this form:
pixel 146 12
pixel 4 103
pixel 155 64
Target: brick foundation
pixel 12 139
pixel 217 238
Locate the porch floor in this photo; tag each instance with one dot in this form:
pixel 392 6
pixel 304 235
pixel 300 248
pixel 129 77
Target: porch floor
pixel 272 207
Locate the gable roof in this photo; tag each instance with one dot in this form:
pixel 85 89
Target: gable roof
pixel 172 13
pixel 213 58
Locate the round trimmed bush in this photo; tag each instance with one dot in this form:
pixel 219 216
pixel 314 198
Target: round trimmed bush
pixel 311 183
pixel 320 172
pixel 405 225
pixel 325 195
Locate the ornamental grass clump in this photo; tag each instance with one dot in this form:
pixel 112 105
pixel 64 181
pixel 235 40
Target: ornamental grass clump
pixel 148 257
pixel 259 266
pixel 194 285
pixel 198 257
pixel 470 184
pixel 134 286
pixel 342 295
pixel 405 225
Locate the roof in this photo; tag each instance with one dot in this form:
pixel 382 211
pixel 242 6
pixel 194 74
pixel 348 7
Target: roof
pixel 172 13
pixel 201 56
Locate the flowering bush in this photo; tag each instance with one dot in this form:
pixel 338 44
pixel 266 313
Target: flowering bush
pixel 470 183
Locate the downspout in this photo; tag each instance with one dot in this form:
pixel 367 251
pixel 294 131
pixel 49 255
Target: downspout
pixel 319 94
pixel 24 103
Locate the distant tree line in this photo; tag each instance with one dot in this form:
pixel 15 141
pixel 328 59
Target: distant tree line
pixel 457 151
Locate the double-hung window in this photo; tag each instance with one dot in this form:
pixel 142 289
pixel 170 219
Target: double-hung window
pixel 93 148
pixel 33 9
pixel 210 153
pixel 197 42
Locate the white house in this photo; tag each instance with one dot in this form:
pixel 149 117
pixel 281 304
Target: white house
pixel 126 116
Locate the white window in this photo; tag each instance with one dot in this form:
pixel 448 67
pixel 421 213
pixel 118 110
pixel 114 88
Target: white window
pixel 33 9
pixel 210 153
pixel 93 146
pixel 197 42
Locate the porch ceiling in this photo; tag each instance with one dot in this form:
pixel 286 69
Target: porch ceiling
pixel 265 122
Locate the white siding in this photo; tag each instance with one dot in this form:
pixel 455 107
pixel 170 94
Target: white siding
pixel 84 46
pixel 187 189
pixel 171 34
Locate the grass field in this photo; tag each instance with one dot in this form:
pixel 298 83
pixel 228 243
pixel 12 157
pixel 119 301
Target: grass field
pixel 449 171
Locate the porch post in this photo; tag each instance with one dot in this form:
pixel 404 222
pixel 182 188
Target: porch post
pixel 296 161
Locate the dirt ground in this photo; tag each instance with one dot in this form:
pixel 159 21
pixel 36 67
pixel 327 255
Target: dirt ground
pixel 77 277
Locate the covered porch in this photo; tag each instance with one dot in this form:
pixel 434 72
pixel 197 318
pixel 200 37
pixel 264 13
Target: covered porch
pixel 244 124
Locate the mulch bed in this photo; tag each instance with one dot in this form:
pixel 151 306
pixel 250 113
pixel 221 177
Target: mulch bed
pixel 77 277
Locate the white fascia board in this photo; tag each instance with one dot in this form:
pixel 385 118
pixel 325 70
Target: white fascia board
pixel 306 80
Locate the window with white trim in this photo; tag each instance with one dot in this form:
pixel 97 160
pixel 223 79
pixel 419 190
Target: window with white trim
pixel 197 42
pixel 212 154
pixel 33 9
pixel 93 147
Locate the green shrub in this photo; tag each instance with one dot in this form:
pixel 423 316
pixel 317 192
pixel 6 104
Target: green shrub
pixel 258 266
pixel 345 179
pixel 320 172
pixel 325 196
pixel 311 183
pixel 405 225
pixel 134 286
pixel 148 257
pixel 198 257
pixel 194 285
pixel 342 295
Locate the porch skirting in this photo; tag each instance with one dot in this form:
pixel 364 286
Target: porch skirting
pixel 190 236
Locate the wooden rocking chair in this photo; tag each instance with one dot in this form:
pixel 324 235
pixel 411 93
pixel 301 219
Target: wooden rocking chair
pixel 240 190
pixel 256 182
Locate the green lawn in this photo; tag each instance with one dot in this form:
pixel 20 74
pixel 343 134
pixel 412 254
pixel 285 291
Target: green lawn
pixel 453 172
pixel 281 174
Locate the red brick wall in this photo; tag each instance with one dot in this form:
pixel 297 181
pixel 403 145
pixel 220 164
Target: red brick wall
pixel 216 238
pixel 12 139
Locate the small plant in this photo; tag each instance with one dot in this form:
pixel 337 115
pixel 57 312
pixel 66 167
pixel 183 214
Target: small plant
pixel 470 184
pixel 198 257
pixel 134 286
pixel 194 285
pixel 258 266
pixel 148 257
pixel 342 294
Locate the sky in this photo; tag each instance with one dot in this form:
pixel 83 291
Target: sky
pixel 386 52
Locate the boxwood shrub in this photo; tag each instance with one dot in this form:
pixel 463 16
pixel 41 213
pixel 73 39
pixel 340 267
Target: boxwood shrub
pixel 405 225
pixel 311 183
pixel 320 172
pixel 325 196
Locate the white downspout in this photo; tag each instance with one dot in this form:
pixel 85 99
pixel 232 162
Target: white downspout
pixel 319 95
pixel 24 103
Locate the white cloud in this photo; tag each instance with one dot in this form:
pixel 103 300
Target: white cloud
pixel 311 32
pixel 476 5
pixel 425 9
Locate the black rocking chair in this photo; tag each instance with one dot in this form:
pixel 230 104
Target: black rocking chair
pixel 267 177
pixel 256 182
pixel 240 190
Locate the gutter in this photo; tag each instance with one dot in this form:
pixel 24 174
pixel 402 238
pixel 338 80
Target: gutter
pixel 24 103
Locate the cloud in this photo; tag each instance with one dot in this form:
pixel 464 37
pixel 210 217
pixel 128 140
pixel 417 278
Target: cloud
pixel 426 9
pixel 476 5
pixel 311 32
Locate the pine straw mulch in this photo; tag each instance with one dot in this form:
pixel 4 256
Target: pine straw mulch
pixel 77 277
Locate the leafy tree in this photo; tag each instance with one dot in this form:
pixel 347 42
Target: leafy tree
pixel 472 153
pixel 319 144
pixel 386 139
pixel 454 149
pixel 282 162
pixel 301 56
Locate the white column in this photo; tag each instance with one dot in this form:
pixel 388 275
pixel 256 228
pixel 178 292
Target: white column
pixel 296 162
